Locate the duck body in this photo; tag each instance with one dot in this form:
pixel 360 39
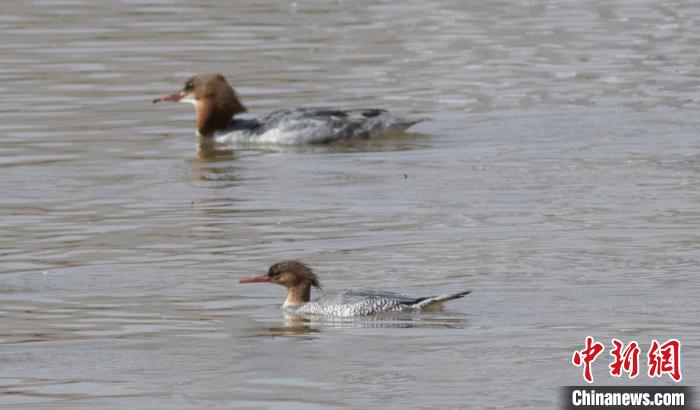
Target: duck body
pixel 311 126
pixel 351 303
pixel 217 105
pixel 299 279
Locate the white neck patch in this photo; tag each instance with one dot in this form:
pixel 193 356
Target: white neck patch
pixel 189 98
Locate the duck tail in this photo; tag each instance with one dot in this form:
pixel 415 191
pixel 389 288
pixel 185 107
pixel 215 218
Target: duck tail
pixel 435 302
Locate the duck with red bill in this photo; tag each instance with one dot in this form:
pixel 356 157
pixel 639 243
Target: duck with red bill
pixel 298 278
pixel 217 107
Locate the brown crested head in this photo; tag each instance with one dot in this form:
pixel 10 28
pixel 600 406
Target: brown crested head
pixel 215 100
pixel 292 273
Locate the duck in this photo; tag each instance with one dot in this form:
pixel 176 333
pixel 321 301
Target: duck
pixel 298 279
pixel 218 109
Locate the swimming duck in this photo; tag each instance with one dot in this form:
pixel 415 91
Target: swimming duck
pixel 298 278
pixel 217 105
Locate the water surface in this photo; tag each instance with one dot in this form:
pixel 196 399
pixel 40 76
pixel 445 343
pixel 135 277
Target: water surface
pixel 557 176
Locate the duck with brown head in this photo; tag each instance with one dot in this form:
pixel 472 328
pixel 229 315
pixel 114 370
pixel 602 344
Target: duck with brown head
pixel 298 278
pixel 293 275
pixel 217 104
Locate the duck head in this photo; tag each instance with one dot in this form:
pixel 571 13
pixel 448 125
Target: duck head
pixel 293 275
pixel 215 102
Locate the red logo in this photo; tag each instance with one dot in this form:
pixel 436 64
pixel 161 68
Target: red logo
pixel 665 359
pixel 586 357
pixel 626 359
pixel 662 359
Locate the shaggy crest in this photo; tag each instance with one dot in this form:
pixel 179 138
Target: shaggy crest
pixel 298 269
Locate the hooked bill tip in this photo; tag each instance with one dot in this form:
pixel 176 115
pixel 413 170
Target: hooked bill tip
pixel 171 97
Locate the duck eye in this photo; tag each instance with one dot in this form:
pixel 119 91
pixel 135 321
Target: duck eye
pixel 189 85
pixel 273 273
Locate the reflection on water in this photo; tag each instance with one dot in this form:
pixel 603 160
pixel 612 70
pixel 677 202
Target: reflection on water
pixel 308 326
pixel 216 161
pixel 396 320
pixel 212 150
pixel 208 150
